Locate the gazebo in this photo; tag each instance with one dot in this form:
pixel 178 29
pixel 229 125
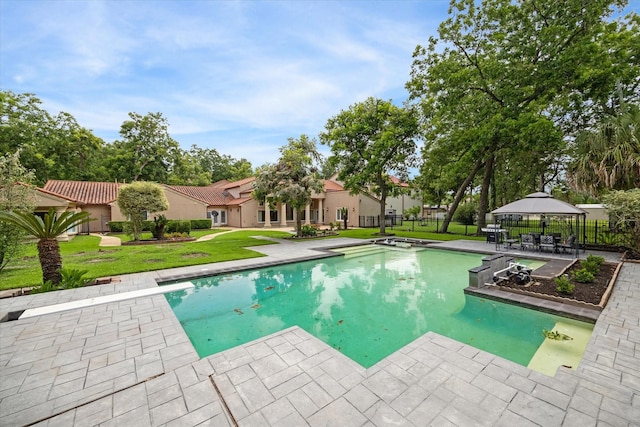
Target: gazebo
pixel 544 204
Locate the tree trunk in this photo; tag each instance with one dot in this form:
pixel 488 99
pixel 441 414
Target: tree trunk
pixel 459 195
pixel 484 194
pixel 383 205
pixel 299 222
pixel 50 260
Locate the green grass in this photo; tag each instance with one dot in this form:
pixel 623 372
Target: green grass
pixel 146 235
pixel 416 231
pixel 84 252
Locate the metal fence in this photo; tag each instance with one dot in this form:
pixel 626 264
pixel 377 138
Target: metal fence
pixel 592 232
pixel 374 221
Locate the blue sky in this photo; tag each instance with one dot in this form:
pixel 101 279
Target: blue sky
pixel 237 76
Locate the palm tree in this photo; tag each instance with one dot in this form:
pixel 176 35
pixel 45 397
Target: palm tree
pixel 47 231
pixel 609 157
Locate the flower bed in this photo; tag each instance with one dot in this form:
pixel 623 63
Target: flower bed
pixel 590 293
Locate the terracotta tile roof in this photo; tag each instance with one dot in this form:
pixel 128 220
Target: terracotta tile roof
pixel 397 181
pixel 240 183
pixel 219 184
pixel 212 196
pixel 85 192
pixel 238 201
pixel 332 186
pixel 51 193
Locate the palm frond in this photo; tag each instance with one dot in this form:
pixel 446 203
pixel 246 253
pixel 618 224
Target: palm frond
pixel 48 228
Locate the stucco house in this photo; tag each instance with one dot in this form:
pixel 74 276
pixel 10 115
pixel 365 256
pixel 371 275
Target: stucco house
pixel 97 198
pixel 225 203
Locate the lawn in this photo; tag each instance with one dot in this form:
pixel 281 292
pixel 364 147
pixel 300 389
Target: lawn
pixel 84 252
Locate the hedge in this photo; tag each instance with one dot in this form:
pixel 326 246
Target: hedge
pixel 200 224
pixel 118 226
pixel 173 226
pixel 177 226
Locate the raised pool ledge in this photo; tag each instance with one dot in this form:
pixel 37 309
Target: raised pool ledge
pixel 565 309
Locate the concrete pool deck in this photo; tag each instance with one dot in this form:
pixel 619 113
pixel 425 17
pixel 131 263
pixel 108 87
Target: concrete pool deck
pixel 129 363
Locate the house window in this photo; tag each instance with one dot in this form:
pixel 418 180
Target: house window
pixel 273 216
pixel 339 216
pixel 289 213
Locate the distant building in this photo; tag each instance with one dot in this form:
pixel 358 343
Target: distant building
pixel 225 203
pixel 595 211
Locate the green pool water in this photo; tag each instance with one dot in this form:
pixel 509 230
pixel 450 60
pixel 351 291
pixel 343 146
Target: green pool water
pixel 367 304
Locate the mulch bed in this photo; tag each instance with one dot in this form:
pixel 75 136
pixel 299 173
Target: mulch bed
pixel 584 292
pixel 158 242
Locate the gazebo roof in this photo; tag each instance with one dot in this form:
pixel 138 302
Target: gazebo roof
pixel 539 203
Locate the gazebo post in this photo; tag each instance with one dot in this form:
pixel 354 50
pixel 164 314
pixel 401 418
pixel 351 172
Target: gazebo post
pixel 577 253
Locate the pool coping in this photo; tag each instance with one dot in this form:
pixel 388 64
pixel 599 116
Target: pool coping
pixel 290 378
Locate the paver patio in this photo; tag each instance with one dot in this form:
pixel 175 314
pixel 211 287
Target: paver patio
pixel 129 363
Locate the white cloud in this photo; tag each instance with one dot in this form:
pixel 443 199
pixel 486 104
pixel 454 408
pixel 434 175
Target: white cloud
pixel 240 76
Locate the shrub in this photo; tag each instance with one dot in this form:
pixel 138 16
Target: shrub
pixel 592 264
pixel 127 228
pixel 138 199
pixel 196 224
pixel 116 226
pixel 583 276
pixel 160 222
pixel 200 224
pixel 596 259
pixel 177 226
pixel 563 285
pixel 47 286
pixel 591 267
pixel 72 278
pixel 465 214
pixel 177 235
pixel 309 231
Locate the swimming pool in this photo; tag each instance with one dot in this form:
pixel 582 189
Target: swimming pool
pixel 367 304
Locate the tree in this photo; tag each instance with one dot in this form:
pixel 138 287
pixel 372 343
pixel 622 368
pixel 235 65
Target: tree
pixel 146 151
pixel 47 231
pixel 240 169
pixel 505 79
pixel 623 208
pixel 140 199
pixel 54 147
pixel 187 170
pixel 77 154
pixel 293 179
pixel 608 158
pixel 220 167
pixel 370 141
pixel 26 126
pixel 16 194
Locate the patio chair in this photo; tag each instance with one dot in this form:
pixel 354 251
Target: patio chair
pixel 548 242
pixel 569 244
pixel 527 242
pixel 508 240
